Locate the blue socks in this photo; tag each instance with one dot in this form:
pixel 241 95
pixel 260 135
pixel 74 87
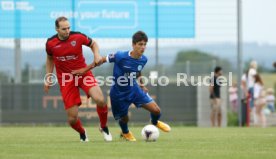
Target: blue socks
pixel 154 118
pixel 124 127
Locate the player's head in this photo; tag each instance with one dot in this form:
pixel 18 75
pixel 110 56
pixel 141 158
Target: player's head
pixel 62 27
pixel 254 64
pixel 270 91
pixel 139 42
pixel 218 71
pixel 274 64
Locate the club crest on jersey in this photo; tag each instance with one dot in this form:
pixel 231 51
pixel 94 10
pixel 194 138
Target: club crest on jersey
pixel 139 67
pixel 73 43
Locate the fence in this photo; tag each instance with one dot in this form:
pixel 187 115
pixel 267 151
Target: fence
pixel 25 103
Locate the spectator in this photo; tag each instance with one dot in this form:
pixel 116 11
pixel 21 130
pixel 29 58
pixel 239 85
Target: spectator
pixel 270 99
pixel 215 98
pixel 233 97
pixel 260 101
pixel 251 81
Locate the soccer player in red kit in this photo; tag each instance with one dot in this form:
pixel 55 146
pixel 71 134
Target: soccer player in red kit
pixel 64 52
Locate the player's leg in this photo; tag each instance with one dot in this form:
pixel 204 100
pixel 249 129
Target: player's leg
pixel 75 123
pixel 102 110
pixel 144 100
pixel 71 97
pixel 126 134
pixel 155 111
pixel 96 94
pixel 120 113
pixel 123 122
pixel 89 84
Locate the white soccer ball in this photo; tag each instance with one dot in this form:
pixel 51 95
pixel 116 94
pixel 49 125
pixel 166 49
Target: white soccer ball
pixel 150 133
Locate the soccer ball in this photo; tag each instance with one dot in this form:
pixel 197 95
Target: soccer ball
pixel 150 133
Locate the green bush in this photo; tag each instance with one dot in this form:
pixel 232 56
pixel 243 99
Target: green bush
pixel 233 119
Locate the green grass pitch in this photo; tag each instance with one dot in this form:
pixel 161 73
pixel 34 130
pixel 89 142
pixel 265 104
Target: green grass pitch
pixel 181 143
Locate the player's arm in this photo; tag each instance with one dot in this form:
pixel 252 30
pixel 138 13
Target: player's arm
pixel 95 49
pixel 89 67
pixel 49 69
pixel 141 82
pixel 109 58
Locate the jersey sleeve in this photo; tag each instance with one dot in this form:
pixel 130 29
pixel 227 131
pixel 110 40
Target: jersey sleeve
pixel 86 40
pixel 48 51
pixel 146 60
pixel 113 57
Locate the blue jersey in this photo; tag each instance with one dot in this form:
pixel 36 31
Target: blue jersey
pixel 125 72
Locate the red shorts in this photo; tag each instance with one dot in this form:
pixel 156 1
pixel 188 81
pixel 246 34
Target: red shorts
pixel 70 89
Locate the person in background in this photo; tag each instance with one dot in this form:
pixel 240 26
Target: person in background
pixel 252 71
pixel 270 99
pixel 233 97
pixel 215 98
pixel 260 101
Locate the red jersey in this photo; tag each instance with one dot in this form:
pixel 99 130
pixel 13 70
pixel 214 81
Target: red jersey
pixel 67 54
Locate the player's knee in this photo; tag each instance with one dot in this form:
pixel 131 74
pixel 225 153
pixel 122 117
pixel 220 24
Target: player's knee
pixel 124 119
pixel 100 101
pixel 72 119
pixel 156 111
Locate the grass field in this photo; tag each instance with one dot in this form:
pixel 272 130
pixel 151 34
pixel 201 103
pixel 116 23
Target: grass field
pixel 269 80
pixel 181 143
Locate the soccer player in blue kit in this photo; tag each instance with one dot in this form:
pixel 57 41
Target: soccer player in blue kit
pixel 126 90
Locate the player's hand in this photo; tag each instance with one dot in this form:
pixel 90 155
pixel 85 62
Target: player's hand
pixel 145 89
pixel 46 88
pixel 98 60
pixel 49 80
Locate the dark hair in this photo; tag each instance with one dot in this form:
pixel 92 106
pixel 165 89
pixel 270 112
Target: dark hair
pixel 217 69
pixel 60 19
pixel 139 36
pixel 258 79
pixel 274 64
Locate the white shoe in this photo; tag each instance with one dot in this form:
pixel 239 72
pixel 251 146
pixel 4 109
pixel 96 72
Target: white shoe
pixel 84 137
pixel 107 135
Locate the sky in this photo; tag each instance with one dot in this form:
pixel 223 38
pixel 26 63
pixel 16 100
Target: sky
pixel 259 24
pixel 216 21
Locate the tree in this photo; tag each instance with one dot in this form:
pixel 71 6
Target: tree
pixel 193 56
pixel 199 62
pixel 5 77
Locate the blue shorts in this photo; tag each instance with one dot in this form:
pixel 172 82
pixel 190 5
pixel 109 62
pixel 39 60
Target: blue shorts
pixel 120 106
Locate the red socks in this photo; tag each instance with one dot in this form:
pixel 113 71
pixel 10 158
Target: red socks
pixel 102 113
pixel 78 127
